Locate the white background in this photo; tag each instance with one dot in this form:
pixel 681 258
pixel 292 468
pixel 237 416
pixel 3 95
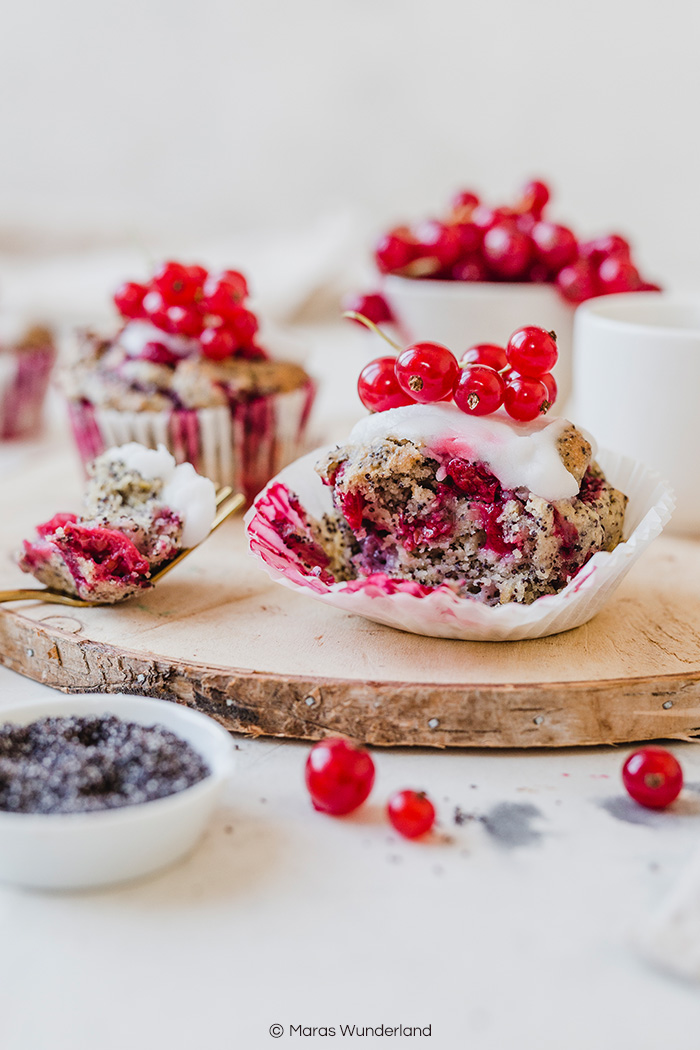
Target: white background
pixel 127 121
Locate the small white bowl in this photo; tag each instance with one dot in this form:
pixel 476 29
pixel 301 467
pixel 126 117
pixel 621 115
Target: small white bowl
pixel 79 850
pixel 462 313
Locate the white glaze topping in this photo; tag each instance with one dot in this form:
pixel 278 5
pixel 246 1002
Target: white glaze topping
pixel 135 336
pixel 519 454
pixel 189 494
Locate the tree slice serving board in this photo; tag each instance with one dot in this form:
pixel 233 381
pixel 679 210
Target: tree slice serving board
pixel 219 636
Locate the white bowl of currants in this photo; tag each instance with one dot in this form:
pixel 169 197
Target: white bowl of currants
pixel 483 270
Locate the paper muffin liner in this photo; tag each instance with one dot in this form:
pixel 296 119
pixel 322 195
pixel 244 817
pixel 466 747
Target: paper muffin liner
pixel 243 445
pixel 24 379
pixel 439 612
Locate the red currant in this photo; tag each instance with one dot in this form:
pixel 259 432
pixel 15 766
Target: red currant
pixel 427 372
pixel 473 268
pixel 175 283
pixel 244 325
pixel 218 343
pixel 555 245
pixel 551 384
pixel 438 240
pixel 339 776
pixel 411 813
pixel 507 250
pixel 156 309
pixel 480 390
pixel 532 351
pixel 618 274
pixel 463 204
pixel 533 198
pixel 222 295
pixel 184 320
pixel 372 306
pixel 128 299
pixel 525 398
pixel 578 281
pixel 158 353
pixel 379 388
pixel 484 218
pixel 485 354
pixel 395 250
pixel 469 236
pixel 601 247
pixel 653 777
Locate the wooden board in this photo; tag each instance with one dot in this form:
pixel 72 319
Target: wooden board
pixel 219 636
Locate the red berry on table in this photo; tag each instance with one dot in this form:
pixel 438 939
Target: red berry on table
pixel 218 343
pixel 339 776
pixel 485 354
pixel 578 282
pixel 378 387
pixel 507 250
pixel 551 384
pixel 525 398
pixel 653 777
pixel 427 372
pixel 222 295
pixel 618 274
pixel 395 250
pixel 555 245
pixel 438 240
pixel 533 198
pixel 175 284
pixel 411 813
pixel 532 351
pixel 480 390
pixel 128 299
pixel 373 306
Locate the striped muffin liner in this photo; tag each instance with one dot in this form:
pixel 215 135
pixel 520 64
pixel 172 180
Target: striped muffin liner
pixel 24 379
pixel 439 612
pixel 242 446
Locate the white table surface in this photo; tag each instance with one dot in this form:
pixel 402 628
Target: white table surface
pixel 513 928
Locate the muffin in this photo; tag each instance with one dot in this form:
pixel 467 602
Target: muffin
pixel 140 510
pixel 186 370
pixel 26 361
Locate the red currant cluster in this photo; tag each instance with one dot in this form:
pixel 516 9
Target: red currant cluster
pixel 479 243
pixel 517 377
pixel 339 777
pixel 189 301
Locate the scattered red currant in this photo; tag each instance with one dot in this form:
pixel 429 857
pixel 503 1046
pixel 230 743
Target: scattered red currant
pixel 532 351
pixel 653 777
pixel 411 813
pixel 485 354
pixel 339 776
pixel 480 390
pixel 427 372
pixel 525 398
pixel 379 388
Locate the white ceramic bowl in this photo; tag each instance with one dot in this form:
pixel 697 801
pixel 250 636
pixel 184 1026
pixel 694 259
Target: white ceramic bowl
pixel 462 313
pixel 78 850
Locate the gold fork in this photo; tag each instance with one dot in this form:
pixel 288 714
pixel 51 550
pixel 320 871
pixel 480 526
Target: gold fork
pixel 226 503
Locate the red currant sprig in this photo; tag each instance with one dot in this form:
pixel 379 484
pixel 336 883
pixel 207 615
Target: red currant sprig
pixel 189 301
pixel 653 777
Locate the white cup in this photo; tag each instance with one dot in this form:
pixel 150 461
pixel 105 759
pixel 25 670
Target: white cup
pixel 460 314
pixel 636 386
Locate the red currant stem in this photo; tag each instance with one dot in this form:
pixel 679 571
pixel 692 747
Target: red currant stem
pixel 373 327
